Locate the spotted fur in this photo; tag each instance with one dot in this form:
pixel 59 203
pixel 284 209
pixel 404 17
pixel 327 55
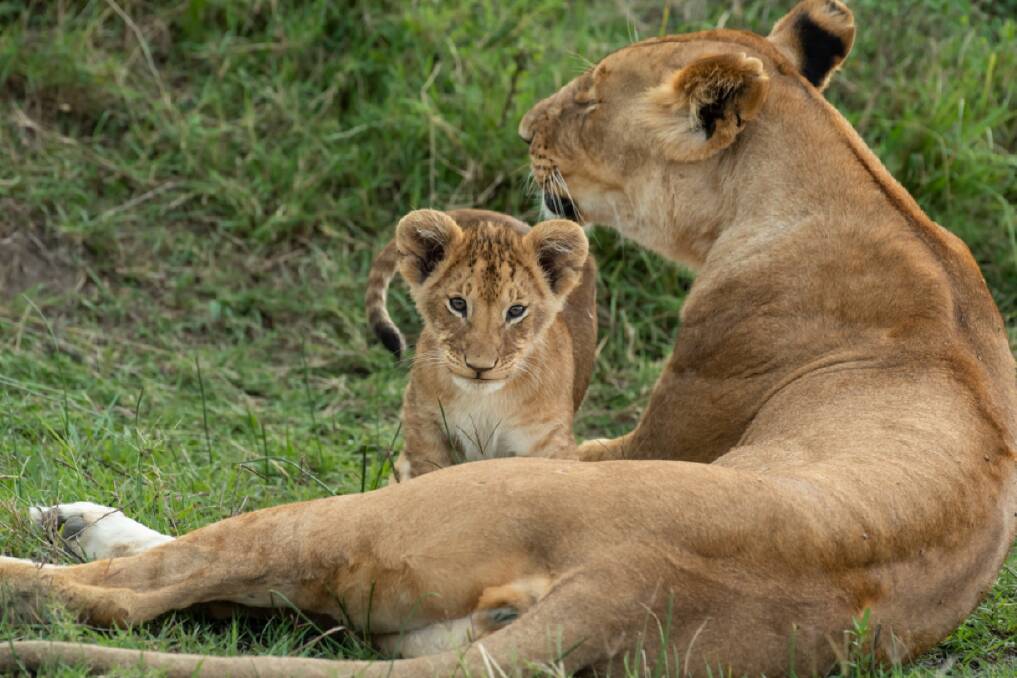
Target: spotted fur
pixel 484 385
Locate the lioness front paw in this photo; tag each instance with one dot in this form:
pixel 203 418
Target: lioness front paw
pixel 93 531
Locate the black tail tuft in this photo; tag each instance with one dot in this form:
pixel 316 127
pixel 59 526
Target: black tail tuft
pixel 390 338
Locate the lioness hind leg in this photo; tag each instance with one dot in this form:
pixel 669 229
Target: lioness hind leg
pixel 94 531
pixel 535 640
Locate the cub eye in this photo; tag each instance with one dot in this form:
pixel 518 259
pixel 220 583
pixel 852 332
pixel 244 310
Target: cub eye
pixel 515 312
pixel 457 305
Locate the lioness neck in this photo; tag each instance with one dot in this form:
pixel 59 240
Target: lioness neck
pixel 868 263
pixel 790 163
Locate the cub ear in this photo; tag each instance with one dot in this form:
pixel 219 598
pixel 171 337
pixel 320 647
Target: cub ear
pixel 817 36
pixel 703 106
pixel 424 238
pixel 561 248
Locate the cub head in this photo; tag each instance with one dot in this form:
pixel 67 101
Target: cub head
pixel 487 293
pixel 656 132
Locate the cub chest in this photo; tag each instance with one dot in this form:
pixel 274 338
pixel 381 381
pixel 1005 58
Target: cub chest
pixel 484 426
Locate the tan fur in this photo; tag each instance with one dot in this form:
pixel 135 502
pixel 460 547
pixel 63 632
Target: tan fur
pixel 386 265
pixel 840 362
pixel 539 365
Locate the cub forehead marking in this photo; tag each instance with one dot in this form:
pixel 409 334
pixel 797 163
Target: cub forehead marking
pixel 492 257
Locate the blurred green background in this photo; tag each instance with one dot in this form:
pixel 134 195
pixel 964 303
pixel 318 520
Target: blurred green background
pixel 191 193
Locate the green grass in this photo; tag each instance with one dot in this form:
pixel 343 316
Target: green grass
pixel 202 185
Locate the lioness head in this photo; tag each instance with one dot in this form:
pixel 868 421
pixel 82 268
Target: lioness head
pixel 487 293
pixel 657 132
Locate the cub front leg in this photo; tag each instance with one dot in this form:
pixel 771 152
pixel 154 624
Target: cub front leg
pixel 428 447
pixel 93 531
pixel 559 443
pixel 603 449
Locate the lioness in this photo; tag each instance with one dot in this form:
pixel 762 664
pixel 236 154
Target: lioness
pixel 509 336
pixel 841 364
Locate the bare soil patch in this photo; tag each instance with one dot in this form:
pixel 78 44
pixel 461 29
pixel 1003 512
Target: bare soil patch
pixel 31 258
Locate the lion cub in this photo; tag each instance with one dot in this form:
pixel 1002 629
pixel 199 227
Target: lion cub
pixel 508 339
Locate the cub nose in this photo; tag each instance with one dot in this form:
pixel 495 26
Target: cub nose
pixel 481 366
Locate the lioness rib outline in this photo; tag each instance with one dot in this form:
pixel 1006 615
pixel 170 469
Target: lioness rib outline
pixel 508 339
pixel 834 434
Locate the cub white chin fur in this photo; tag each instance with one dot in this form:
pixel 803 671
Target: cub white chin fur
pixel 478 386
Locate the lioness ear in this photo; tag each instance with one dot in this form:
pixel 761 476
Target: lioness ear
pixel 703 107
pixel 423 238
pixel 561 249
pixel 816 35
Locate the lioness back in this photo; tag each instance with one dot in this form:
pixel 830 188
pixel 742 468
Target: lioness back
pixel 508 340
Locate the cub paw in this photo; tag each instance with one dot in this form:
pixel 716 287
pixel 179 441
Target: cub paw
pixel 597 449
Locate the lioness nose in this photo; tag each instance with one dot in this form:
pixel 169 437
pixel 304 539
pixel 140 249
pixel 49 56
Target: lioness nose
pixel 526 126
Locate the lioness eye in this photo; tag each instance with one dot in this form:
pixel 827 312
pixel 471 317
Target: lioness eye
pixel 515 311
pixel 457 305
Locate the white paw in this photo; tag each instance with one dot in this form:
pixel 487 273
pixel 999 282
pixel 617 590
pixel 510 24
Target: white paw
pixel 95 531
